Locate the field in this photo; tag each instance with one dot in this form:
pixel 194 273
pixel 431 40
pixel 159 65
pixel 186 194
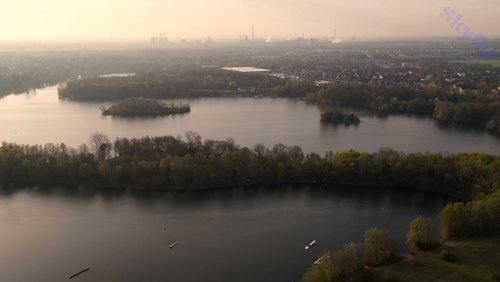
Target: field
pixel 495 63
pixel 478 260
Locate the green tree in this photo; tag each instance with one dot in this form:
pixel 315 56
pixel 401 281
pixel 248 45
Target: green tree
pixel 479 217
pixel 348 261
pixel 454 220
pixel 422 234
pixel 379 247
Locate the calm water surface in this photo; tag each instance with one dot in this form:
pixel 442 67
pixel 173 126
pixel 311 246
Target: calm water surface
pixel 244 235
pixel 41 118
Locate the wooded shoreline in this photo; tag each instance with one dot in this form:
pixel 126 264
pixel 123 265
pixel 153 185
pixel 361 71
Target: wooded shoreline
pixel 171 164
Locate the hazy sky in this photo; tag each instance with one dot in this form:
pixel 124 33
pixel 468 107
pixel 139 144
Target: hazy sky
pixel 140 19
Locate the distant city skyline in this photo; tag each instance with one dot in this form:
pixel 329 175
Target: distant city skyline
pixel 135 20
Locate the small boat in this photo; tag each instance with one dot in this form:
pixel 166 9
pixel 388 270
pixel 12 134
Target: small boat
pixel 313 242
pixel 318 261
pixel 173 244
pixel 79 273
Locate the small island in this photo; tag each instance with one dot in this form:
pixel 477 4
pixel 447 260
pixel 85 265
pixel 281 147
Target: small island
pixel 144 107
pixel 338 117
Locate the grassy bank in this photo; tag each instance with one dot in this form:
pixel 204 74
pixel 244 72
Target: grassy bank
pixel 478 260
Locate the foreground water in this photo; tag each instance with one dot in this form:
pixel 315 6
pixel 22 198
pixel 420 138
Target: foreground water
pixel 240 235
pixel 40 117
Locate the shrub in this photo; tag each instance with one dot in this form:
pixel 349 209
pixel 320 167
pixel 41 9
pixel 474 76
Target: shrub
pixel 448 256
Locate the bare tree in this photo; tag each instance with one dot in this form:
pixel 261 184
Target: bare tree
pixel 193 140
pixel 100 145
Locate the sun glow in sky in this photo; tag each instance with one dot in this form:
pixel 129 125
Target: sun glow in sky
pixel 140 19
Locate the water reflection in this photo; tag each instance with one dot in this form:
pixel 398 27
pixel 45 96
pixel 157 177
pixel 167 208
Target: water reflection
pixel 335 126
pixel 362 197
pixel 447 126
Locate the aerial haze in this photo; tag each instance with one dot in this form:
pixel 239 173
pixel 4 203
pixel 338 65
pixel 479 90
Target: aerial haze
pixel 134 20
pixel 249 140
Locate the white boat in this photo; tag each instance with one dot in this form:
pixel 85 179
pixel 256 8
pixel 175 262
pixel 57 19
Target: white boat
pixel 173 244
pixel 313 242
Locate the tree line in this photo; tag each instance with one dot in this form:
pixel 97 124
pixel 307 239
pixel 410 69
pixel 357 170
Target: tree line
pixel 476 218
pixel 480 109
pixel 483 114
pixel 24 71
pixel 171 163
pixel 187 82
pixel 383 99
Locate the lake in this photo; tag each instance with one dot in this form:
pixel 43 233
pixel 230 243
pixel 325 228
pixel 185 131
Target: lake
pixel 48 234
pixel 40 117
pixel 254 234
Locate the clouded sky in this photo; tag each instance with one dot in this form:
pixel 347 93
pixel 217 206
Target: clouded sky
pixel 140 19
